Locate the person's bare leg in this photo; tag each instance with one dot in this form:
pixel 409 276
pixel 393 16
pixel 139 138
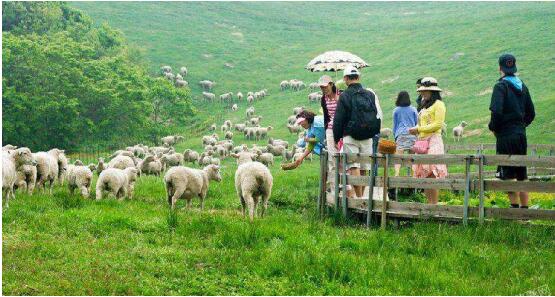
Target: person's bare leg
pixel 523 199
pixel 354 189
pixel 513 197
pixel 362 188
pixel 398 166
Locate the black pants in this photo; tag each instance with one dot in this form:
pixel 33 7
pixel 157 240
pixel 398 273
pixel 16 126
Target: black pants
pixel 513 144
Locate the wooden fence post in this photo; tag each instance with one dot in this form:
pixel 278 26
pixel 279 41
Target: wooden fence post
pixel 466 189
pixel 325 187
pixel 322 186
pixel 344 202
pixel 336 194
pixel 384 198
pixel 481 181
pixel 371 191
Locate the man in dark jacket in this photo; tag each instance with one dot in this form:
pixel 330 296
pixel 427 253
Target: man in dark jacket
pixel 512 111
pixel 356 122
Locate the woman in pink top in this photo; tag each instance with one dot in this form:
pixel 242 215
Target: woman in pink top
pixel 329 104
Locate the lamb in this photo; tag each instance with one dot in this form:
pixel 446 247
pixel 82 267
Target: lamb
pixel 250 112
pixel 294 128
pixel 190 156
pixel 253 183
pixel 12 162
pixel 229 135
pixel 458 131
pixel 208 96
pixel 266 159
pixel 298 110
pixel 185 183
pixel 262 132
pixel 234 107
pixel 172 139
pixel 256 120
pixel 47 168
pixel 278 142
pixel 121 162
pixel 175 159
pixel 276 150
pixel 119 182
pixel 26 178
pixel 385 132
pixel 180 83
pixel 284 85
pixel 239 96
pixel 151 165
pixel 291 120
pixel 240 127
pixel 79 177
pixel 183 71
pixel 206 84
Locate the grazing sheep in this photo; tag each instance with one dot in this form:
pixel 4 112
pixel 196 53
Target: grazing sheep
pixel 250 112
pixel 151 165
pixel 183 71
pixel 276 150
pixel 178 77
pixel 250 133
pixel 239 96
pixel 245 156
pixel 234 107
pixel 175 159
pixel 289 154
pixel 169 76
pixel 314 97
pixel 266 159
pixel 262 132
pixel 206 84
pixel 185 183
pixel 278 142
pixel 229 135
pixel 180 83
pixel 385 132
pixel 250 99
pixel 171 140
pixel 291 120
pixel 13 161
pixel 240 127
pixel 284 85
pixel 298 110
pixel 224 128
pixel 314 86
pixel 226 97
pixel 250 94
pixel 208 96
pixel 62 166
pixel 121 153
pixel 26 178
pixel 294 128
pixel 256 120
pixel 190 156
pixel 121 162
pixel 119 182
pixel 253 183
pixel 458 131
pixel 47 168
pixel 79 177
pixel 165 69
pixel 213 128
pixel 9 147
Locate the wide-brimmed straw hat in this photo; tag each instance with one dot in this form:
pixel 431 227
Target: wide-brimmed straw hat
pixel 428 84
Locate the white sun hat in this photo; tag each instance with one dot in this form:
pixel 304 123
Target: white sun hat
pixel 428 84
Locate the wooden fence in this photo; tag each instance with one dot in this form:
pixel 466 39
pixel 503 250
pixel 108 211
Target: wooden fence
pixel 468 182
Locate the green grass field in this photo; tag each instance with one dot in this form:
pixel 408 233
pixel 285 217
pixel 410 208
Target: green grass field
pixel 66 245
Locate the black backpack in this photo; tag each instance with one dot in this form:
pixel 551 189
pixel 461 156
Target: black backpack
pixel 364 123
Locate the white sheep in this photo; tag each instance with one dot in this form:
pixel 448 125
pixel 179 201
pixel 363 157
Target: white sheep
pixel 294 128
pixel 190 156
pixel 226 96
pixel 240 127
pixel 12 161
pixel 256 120
pixel 121 162
pixel 284 85
pixel 291 120
pixel 314 97
pixel 180 83
pixel 244 156
pixel 26 178
pixel 165 69
pixel 239 96
pixel 172 139
pixel 100 166
pixel 9 147
pixel 253 183
pixel 276 150
pixel 250 112
pixel 250 99
pixel 229 135
pixel 169 160
pixel 119 182
pixel 262 132
pixel 79 177
pixel 208 96
pixel 278 142
pixel 298 110
pixel 183 71
pixel 206 84
pixel 266 159
pixel 185 183
pixel 458 131
pixel 47 168
pixel 234 107
pixel 151 165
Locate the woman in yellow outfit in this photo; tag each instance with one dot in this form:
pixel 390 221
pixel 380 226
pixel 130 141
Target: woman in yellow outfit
pixel 430 120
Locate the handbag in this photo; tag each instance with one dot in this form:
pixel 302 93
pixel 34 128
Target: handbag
pixel 421 146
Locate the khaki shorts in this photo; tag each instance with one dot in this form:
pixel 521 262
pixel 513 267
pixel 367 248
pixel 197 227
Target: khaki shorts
pixel 353 146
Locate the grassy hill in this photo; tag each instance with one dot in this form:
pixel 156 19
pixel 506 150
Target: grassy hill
pixel 270 42
pixel 62 244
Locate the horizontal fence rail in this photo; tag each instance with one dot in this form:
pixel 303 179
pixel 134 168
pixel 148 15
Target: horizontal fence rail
pixel 468 182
